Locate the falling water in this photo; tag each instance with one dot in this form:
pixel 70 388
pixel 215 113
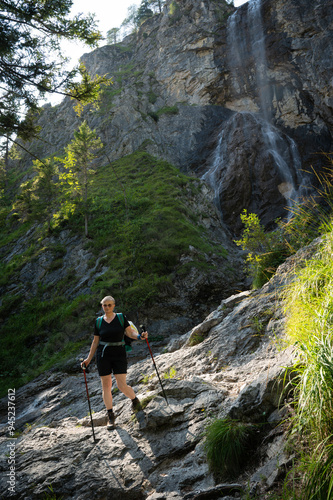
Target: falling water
pixel 210 177
pixel 249 70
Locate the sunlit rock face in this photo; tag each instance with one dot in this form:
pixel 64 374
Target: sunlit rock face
pixel 183 76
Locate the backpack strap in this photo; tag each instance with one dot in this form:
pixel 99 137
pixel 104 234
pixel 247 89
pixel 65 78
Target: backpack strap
pixel 99 322
pixel 100 319
pixel 121 319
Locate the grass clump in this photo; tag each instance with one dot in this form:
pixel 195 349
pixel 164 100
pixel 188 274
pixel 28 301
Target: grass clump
pixel 309 326
pixel 196 338
pixel 145 401
pixel 171 373
pixel 225 444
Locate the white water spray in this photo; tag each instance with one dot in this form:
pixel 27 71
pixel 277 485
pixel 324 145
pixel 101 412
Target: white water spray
pixel 249 68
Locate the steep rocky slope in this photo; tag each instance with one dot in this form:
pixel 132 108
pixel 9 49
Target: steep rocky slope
pixel 234 371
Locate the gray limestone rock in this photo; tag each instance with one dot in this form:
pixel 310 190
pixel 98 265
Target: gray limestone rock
pixel 159 453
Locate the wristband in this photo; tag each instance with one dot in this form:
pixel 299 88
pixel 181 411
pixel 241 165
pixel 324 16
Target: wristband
pixel 139 337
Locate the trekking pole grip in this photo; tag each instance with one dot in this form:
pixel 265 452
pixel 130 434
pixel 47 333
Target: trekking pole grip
pixel 84 367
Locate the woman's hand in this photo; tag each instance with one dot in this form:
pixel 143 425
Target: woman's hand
pixel 85 364
pixel 144 335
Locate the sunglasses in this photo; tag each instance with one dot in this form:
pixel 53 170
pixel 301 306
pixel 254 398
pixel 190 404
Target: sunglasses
pixel 107 305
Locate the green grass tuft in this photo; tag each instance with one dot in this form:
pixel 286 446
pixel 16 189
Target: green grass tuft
pixel 226 445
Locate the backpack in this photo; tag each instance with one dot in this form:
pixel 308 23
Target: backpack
pixel 127 340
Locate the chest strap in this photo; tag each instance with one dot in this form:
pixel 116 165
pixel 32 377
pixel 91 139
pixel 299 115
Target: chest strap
pixel 106 344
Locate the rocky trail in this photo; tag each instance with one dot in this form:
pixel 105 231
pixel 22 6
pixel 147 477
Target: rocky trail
pixel 234 371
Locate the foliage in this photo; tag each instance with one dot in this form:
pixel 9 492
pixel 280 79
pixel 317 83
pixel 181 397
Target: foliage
pixel 319 479
pixel 174 11
pixel 112 36
pixel 167 110
pixel 51 495
pixel 140 226
pixel 156 4
pixel 196 338
pixel 45 334
pixel 143 12
pixel 311 217
pixel 38 196
pixel 171 373
pixel 223 10
pixel 88 90
pixel 80 154
pixel 226 444
pixel 265 250
pixel 309 309
pixel 30 32
pixel 145 401
pixel 135 17
pixel 309 326
pixel 129 24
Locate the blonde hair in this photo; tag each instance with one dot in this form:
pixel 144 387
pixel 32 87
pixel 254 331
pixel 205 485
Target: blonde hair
pixel 108 298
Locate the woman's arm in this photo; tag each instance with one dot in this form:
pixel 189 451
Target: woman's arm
pixel 133 335
pixel 93 348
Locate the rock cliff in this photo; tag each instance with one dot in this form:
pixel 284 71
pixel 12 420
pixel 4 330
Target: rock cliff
pixel 243 97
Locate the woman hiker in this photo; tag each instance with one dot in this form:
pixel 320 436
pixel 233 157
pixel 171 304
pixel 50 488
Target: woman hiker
pixel 111 354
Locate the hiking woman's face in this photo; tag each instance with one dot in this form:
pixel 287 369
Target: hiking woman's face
pixel 108 307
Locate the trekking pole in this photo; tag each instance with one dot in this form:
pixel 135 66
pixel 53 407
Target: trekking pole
pixel 143 329
pixel 84 368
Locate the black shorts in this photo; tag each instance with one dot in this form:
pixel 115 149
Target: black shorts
pixel 114 360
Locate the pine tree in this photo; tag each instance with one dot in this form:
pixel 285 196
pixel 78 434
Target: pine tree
pixel 143 13
pixel 111 36
pixel 156 4
pixel 45 189
pixel 80 154
pixel 31 62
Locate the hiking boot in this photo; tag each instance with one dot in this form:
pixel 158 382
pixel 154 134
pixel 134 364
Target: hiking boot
pixel 112 418
pixel 136 404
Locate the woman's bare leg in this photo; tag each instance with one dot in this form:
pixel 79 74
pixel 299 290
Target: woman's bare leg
pixel 123 387
pixel 106 388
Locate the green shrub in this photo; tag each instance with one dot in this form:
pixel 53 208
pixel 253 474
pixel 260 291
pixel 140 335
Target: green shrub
pixel 265 250
pixel 225 444
pixel 175 12
pixel 171 373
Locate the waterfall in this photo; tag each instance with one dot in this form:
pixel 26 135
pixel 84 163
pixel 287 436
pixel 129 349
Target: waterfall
pixel 210 177
pixel 252 93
